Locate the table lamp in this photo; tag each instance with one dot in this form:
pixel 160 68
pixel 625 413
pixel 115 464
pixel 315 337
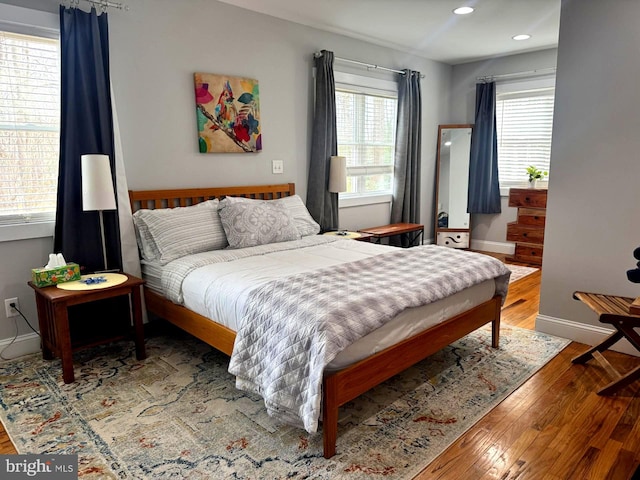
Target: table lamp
pixel 97 190
pixel 338 178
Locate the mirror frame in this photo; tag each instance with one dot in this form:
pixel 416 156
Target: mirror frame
pixel 437 193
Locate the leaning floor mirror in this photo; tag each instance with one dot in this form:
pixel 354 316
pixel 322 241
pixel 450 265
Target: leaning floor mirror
pixel 453 223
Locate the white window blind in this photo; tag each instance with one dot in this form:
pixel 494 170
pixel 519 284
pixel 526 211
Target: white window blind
pixel 524 121
pixel 29 127
pixel 366 124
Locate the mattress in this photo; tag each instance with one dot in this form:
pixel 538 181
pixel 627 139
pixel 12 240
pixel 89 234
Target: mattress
pixel 219 291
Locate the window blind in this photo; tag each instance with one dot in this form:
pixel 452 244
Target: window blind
pixel 29 127
pixel 524 121
pixel 366 127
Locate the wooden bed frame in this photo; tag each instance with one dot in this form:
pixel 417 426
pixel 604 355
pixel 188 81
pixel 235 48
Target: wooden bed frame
pixel 339 387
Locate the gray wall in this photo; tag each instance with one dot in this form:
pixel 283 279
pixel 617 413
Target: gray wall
pixel 489 231
pixel 155 49
pixel 594 199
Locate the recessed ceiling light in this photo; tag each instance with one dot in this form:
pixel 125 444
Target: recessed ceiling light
pixel 463 10
pixel 524 36
pixel 447 143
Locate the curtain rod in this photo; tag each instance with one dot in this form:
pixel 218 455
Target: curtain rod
pixel 528 73
pixel 368 65
pixel 103 4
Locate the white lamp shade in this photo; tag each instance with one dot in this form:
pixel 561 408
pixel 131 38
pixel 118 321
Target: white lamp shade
pixel 97 184
pixel 338 174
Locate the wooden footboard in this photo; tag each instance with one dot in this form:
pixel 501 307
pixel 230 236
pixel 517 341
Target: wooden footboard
pixel 344 385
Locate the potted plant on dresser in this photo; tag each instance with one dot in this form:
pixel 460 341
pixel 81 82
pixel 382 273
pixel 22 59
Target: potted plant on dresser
pixel 535 174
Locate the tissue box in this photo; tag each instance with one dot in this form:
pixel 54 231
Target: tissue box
pixel 43 277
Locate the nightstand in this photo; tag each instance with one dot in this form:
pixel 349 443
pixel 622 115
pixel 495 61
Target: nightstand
pixel 53 318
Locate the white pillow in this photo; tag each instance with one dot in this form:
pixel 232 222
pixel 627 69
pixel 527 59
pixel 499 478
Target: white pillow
pixel 181 231
pixel 248 222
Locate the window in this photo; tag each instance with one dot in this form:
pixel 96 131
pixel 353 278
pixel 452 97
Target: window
pixel 366 123
pixel 29 127
pixel 524 120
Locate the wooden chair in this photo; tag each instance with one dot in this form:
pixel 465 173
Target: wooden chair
pixel 624 314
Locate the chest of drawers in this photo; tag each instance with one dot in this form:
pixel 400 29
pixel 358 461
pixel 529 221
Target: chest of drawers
pixel 528 230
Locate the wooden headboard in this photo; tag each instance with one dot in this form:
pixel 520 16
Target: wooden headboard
pixel 153 199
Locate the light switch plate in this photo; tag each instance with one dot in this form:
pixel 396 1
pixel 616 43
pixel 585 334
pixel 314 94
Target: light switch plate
pixel 277 166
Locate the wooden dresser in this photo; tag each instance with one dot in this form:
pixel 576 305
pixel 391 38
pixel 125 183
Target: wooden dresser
pixel 528 230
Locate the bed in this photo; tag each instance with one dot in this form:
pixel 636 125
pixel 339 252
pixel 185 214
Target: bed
pixel 340 383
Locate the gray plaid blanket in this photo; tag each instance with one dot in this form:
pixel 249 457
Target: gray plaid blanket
pixel 293 327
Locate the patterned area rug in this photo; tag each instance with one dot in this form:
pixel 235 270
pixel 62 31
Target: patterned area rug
pixel 178 414
pixel 519 271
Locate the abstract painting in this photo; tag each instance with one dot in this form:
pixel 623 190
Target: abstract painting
pixel 228 114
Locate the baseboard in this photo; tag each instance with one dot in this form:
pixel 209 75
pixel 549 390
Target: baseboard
pixel 581 332
pixel 495 247
pixel 23 345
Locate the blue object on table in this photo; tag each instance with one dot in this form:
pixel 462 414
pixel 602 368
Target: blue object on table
pixel 92 280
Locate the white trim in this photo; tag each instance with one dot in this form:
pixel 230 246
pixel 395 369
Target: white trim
pixel 581 332
pixel 23 345
pixel 495 247
pixel 24 231
pixel 360 200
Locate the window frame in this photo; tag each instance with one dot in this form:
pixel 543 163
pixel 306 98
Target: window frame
pixel 515 87
pixel 372 86
pixel 26 21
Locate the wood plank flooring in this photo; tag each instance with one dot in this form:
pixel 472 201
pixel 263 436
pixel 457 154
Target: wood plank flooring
pixel 554 427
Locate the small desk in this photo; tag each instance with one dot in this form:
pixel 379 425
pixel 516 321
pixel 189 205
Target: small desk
pixel 411 232
pixel 53 319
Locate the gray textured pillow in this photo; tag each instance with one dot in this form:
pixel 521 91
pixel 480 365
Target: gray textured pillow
pixel 303 220
pixel 256 222
pixel 181 231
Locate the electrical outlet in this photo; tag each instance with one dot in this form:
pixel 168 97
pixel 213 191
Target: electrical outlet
pixel 11 312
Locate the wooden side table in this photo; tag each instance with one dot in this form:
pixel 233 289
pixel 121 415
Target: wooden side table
pixel 53 319
pixel 411 232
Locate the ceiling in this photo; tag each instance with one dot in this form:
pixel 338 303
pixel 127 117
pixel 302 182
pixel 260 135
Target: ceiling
pixel 427 28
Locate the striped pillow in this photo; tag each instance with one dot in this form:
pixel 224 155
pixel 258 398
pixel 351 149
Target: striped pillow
pixel 182 231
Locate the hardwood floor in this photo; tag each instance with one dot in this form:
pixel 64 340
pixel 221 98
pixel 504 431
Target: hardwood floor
pixel 553 427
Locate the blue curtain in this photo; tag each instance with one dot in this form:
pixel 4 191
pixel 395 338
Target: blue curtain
pixel 484 187
pixel 322 204
pixel 86 127
pixel 406 187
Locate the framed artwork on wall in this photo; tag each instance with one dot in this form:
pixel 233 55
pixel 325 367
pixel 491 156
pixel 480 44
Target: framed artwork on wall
pixel 228 114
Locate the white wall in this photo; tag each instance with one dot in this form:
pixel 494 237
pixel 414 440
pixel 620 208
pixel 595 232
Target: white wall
pixel 489 231
pixel 594 198
pixel 158 45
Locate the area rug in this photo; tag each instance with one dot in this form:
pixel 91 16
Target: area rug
pixel 177 414
pixel 519 271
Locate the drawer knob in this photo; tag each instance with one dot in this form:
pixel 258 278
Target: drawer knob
pixel 524 234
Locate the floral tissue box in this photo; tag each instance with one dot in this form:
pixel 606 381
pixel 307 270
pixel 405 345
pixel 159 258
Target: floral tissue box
pixel 43 277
